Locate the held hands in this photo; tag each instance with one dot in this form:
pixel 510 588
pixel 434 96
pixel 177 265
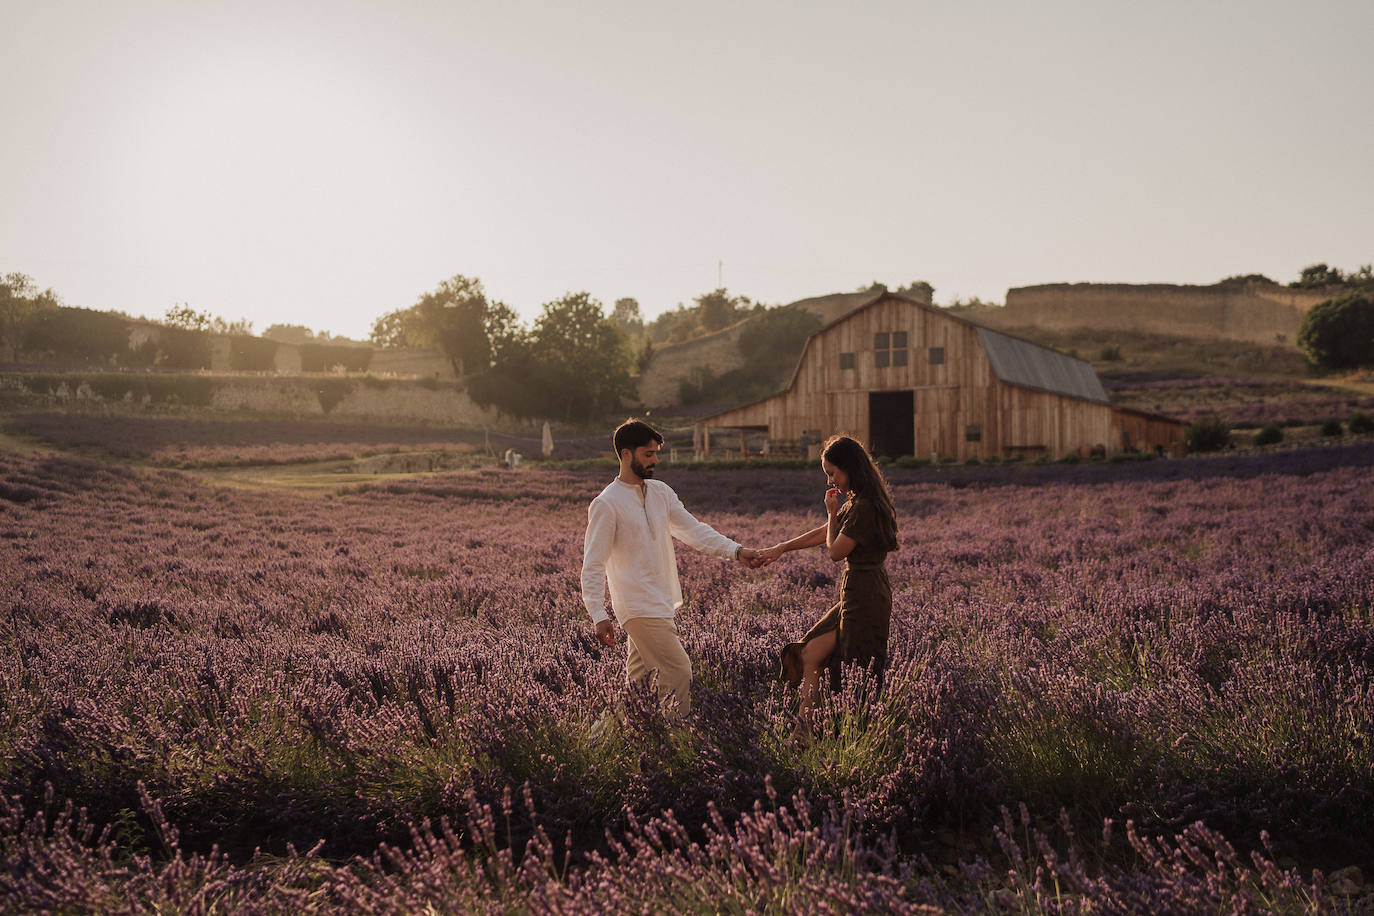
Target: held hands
pixel 754 558
pixel 605 633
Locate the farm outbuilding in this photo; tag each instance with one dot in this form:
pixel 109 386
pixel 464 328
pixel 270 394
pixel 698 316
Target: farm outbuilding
pixel 908 378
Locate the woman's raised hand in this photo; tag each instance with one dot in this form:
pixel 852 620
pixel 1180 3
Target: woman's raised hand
pixel 832 501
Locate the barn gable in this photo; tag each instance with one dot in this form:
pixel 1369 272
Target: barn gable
pixel 908 378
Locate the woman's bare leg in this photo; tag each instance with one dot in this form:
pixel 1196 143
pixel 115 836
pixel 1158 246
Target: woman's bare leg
pixel 814 656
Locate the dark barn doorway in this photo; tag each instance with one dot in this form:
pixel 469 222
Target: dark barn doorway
pixel 892 423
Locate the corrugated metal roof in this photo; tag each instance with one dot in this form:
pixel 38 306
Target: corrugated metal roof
pixel 1021 362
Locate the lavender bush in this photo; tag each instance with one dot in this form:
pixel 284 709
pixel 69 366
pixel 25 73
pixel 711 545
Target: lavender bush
pixel 389 699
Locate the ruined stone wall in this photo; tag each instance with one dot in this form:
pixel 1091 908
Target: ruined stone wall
pixel 1253 312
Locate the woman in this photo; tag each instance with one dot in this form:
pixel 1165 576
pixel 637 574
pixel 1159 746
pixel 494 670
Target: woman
pixel 862 533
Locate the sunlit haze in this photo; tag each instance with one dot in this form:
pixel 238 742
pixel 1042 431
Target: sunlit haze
pixel 321 164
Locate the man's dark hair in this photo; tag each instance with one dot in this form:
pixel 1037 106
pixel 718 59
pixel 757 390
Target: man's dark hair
pixel 633 434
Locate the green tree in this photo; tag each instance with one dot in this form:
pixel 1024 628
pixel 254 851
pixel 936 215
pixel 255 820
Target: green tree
pixel 453 318
pixel 1317 276
pixel 77 335
pixel 581 358
pixel 184 317
pixel 290 334
pixel 1339 333
pixel 20 302
pixel 627 317
pixel 718 309
pixel 772 342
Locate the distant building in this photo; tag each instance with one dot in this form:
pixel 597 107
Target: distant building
pixel 907 378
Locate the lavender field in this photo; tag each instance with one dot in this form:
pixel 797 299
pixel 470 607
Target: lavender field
pixel 1115 688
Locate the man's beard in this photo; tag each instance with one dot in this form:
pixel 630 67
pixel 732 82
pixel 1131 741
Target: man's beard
pixel 641 471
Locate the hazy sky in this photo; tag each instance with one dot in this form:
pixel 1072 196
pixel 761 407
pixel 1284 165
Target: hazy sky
pixel 323 163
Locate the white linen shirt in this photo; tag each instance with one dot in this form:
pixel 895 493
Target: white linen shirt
pixel 629 542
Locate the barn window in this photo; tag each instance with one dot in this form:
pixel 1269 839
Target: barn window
pixel 973 433
pixel 846 360
pixel 937 356
pixel 889 349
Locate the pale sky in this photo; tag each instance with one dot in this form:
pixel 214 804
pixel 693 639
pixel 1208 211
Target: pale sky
pixel 323 163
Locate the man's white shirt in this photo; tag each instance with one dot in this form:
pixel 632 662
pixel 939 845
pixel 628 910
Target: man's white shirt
pixel 630 531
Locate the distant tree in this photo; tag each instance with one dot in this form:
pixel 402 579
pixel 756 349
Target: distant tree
pixel 20 301
pixel 187 318
pixel 1320 276
pixel 582 358
pixel 289 333
pixel 453 318
pixel 1243 279
pixel 674 325
pixel 1339 333
pixel 241 328
pixel 718 309
pixel 1317 276
pixel 626 316
pixel 645 356
pixel 77 335
pixel 922 291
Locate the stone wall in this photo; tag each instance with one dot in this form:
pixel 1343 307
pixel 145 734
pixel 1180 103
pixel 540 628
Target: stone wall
pixel 302 396
pixel 1252 312
pixel 352 399
pixel 422 363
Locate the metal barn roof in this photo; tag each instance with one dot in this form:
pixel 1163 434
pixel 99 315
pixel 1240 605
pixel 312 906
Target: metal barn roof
pixel 1020 362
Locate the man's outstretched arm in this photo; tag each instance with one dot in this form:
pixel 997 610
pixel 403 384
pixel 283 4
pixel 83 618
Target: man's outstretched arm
pixel 596 547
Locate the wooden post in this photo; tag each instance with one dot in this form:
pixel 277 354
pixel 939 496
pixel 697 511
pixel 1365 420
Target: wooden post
pixel 743 449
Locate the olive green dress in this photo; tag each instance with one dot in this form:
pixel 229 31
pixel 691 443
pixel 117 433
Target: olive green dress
pixel 864 613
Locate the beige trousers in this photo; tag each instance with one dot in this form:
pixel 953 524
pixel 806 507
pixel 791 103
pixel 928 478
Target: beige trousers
pixel 654 644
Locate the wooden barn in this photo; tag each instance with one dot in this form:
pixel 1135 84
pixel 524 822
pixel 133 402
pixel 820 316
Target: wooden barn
pixel 907 378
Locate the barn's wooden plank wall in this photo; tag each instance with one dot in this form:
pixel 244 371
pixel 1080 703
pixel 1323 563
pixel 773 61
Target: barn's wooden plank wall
pixel 961 409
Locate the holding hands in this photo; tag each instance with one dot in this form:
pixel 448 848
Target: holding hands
pixel 753 557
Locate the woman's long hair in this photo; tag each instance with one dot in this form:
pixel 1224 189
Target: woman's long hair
pixel 864 480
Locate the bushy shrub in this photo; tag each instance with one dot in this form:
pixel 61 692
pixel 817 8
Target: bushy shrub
pixel 1332 428
pixel 1209 434
pixel 1339 333
pixel 1270 434
pixel 911 461
pixel 1110 355
pixel 1360 423
pixel 331 391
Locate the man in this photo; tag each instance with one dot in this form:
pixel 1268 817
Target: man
pixel 630 531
